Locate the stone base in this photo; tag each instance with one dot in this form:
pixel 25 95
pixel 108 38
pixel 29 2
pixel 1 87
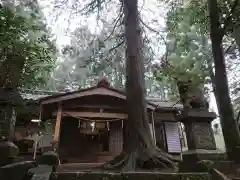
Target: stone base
pixel 236 157
pixel 192 157
pixel 9 152
pixel 49 158
pixel 140 175
pixel 197 115
pixel 198 129
pixel 203 154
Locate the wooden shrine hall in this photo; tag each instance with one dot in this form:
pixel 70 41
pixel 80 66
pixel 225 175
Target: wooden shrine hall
pixel 89 124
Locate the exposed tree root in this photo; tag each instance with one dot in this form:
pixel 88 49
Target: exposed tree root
pixel 143 154
pixel 156 159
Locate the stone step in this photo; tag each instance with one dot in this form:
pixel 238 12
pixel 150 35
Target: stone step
pixel 235 172
pixel 229 168
pixel 76 167
pixel 226 167
pixel 129 175
pixel 238 171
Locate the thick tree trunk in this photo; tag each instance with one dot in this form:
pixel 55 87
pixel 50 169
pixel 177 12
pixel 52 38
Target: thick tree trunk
pixel 10 99
pixel 212 77
pixel 139 150
pixel 229 124
pixel 135 84
pixel 9 122
pixel 11 71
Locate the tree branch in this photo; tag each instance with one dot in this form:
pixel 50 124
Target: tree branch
pixel 93 5
pixel 156 31
pixel 116 21
pixel 229 47
pixel 118 45
pixel 230 16
pixel 238 118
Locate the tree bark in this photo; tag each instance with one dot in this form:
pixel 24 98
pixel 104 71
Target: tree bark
pixel 229 124
pixel 11 71
pixel 139 150
pixel 9 122
pixel 135 85
pixel 212 77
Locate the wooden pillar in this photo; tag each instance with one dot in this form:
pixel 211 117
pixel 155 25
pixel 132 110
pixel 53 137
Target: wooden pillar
pixel 153 128
pixel 57 126
pixel 40 115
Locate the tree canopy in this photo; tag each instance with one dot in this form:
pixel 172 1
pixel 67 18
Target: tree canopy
pixel 26 48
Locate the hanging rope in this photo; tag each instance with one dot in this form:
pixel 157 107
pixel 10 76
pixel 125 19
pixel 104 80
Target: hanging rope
pixel 88 119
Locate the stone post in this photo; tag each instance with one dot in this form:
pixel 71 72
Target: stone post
pixel 8 152
pixel 200 139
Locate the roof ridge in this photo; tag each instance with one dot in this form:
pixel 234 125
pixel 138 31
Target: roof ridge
pixel 157 99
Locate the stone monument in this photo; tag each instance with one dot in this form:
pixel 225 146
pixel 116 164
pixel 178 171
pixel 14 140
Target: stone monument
pixel 9 152
pixel 197 121
pixel 200 138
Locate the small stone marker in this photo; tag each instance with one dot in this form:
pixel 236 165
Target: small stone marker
pixel 46 165
pixel 42 172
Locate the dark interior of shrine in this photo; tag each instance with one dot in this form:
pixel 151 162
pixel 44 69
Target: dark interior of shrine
pixel 81 142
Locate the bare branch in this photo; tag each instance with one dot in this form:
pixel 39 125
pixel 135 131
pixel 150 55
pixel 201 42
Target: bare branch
pixel 118 20
pixel 229 47
pixel 142 6
pixel 117 46
pixel 230 16
pixel 150 28
pixel 158 33
pixel 153 30
pixel 90 7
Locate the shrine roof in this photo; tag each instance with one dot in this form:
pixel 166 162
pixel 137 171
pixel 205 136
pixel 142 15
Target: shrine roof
pixel 103 88
pixel 102 85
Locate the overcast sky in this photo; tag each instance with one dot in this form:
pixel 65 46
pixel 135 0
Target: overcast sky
pixel 150 10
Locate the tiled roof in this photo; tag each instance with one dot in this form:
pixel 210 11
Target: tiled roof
pixel 29 96
pixel 164 103
pixel 156 101
pixel 37 94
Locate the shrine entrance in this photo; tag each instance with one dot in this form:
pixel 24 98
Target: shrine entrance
pixel 83 141
pixel 89 123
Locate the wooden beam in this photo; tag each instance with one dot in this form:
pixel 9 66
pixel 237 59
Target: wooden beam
pixel 94 115
pixel 153 127
pixel 164 117
pixel 58 124
pixel 71 106
pixel 95 91
pixel 40 112
pixel 94 106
